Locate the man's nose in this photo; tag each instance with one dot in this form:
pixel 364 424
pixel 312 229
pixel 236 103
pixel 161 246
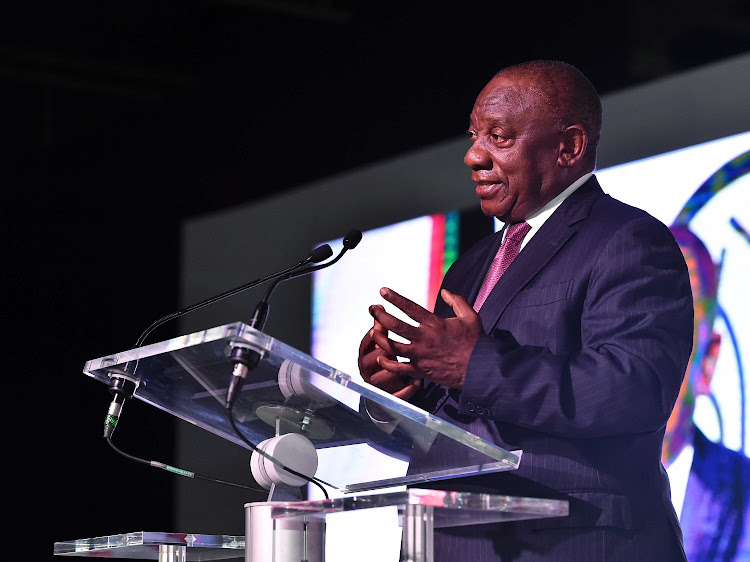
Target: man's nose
pixel 478 157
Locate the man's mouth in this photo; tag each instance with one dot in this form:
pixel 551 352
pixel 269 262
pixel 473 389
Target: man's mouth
pixel 487 189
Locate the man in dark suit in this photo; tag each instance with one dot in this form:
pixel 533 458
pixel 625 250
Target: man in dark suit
pixel 575 355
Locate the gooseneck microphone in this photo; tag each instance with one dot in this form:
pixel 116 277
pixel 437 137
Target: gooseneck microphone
pixel 258 320
pixel 317 255
pixel 123 384
pixel 246 359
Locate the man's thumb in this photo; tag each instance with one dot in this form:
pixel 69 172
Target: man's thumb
pixel 457 303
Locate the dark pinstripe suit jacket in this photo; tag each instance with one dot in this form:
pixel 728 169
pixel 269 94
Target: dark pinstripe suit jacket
pixel 587 337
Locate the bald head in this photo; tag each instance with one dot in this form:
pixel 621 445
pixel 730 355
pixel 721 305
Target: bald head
pixel 567 94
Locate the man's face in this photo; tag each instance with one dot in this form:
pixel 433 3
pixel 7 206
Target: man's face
pixel 515 145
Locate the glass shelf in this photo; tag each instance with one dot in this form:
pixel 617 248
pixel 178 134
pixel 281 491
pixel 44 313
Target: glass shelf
pixel 145 545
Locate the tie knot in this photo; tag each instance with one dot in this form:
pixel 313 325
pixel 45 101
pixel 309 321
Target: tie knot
pixel 517 231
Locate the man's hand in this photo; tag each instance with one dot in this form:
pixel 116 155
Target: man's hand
pixel 373 373
pixel 439 348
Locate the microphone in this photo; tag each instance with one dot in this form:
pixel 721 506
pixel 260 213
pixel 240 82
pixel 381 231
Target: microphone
pixel 246 359
pixel 317 255
pixel 121 388
pixel 123 384
pixel 258 320
pixel 352 238
pixel 321 253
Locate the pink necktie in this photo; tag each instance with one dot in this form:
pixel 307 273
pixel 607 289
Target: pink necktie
pixel 505 255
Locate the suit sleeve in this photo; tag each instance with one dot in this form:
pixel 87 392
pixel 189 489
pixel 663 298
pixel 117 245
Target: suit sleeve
pixel 636 330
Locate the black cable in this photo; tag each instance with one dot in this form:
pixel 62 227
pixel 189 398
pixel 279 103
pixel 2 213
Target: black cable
pixel 216 298
pixel 278 463
pixel 317 255
pixel 124 454
pixel 180 471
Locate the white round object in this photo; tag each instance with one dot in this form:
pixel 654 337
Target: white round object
pixel 292 450
pixel 294 382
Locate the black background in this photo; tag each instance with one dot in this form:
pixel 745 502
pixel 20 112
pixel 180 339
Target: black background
pixel 121 119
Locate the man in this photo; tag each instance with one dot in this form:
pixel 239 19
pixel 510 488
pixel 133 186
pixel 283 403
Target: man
pixel 710 483
pixel 575 355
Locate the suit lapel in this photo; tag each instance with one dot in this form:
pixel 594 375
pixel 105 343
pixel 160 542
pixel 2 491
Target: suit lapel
pixel 550 238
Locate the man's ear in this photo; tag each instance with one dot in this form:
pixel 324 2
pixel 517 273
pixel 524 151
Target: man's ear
pixel 572 146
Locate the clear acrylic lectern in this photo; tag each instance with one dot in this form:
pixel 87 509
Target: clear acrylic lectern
pixel 291 393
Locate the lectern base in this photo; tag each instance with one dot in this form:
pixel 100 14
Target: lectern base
pixel 295 531
pixel 419 528
pixel 172 553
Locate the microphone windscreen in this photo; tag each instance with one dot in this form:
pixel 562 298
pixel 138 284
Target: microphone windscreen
pixel 351 239
pixel 321 253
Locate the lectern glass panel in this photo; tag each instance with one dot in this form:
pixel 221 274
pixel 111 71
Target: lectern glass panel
pixel 451 509
pixel 290 391
pixel 144 545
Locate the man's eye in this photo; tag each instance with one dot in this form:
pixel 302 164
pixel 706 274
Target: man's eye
pixel 497 138
pixel 472 134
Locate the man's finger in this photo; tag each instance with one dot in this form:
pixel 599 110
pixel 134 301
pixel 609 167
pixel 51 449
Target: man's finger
pixel 398 368
pixel 377 325
pixel 410 308
pixel 384 343
pixel 367 344
pixel 390 382
pixel 369 361
pixel 393 324
pixel 394 348
pixel 409 390
pixel 460 306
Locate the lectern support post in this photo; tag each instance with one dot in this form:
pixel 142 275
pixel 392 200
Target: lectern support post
pixel 282 539
pixel 416 542
pixel 172 553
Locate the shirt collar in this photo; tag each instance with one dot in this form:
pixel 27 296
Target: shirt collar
pixel 539 218
pixel 536 220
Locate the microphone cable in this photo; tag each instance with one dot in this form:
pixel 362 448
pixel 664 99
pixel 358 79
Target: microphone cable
pixel 248 360
pixel 278 463
pixel 123 383
pixel 124 386
pixel 175 470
